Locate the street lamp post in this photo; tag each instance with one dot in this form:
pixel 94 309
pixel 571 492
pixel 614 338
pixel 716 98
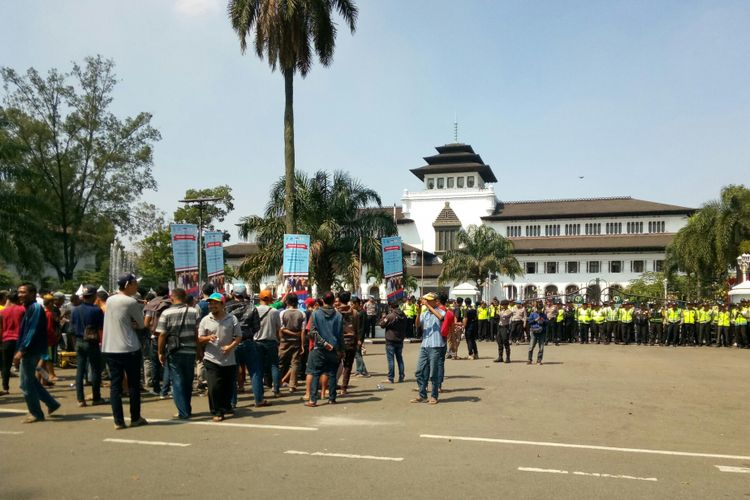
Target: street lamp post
pixel 201 203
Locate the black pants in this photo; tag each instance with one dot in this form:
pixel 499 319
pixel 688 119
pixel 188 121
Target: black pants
pixel 493 329
pixel 121 364
pixel 704 333
pixel 471 340
pixel 611 332
pixel 349 355
pixel 626 330
pixel 657 333
pixel 371 322
pixel 673 332
pixel 9 350
pixel 483 329
pixel 516 330
pixel 688 334
pixel 641 333
pixel 503 342
pixel 584 332
pixel 221 380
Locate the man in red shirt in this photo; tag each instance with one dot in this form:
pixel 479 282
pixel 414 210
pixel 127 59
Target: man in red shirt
pixel 10 325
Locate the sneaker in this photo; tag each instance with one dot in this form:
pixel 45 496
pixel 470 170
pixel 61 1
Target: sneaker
pixel 82 404
pixel 119 427
pixel 53 409
pixel 497 360
pixel 99 402
pixel 138 423
pixel 30 419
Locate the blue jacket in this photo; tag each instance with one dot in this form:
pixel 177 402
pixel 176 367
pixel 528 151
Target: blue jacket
pixel 327 322
pixel 32 338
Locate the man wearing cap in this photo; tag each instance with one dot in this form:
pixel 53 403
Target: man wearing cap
pixel 88 324
pixel 267 338
pixel 219 333
pixel 122 349
pixel 432 350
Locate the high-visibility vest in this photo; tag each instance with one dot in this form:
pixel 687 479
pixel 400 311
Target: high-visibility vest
pixel 704 316
pixel 584 315
pixel 715 315
pixel 481 313
pixel 740 319
pixel 723 318
pixel 626 315
pixel 493 311
pixel 656 316
pixel 673 315
pixel 560 315
pixel 688 316
pixel 599 316
pixel 612 313
pixel 410 310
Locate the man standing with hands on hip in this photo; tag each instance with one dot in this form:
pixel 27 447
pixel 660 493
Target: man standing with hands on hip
pixel 122 349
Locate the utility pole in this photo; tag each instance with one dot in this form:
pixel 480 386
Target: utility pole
pixel 201 203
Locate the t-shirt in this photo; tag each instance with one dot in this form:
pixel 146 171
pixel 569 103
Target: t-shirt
pixel 170 322
pixel 119 334
pixel 12 316
pixel 51 327
pixel 269 323
pixel 226 329
pixel 470 316
pixel 86 315
pixel 294 320
pixel 431 336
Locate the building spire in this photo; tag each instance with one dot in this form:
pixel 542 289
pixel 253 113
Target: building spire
pixel 455 128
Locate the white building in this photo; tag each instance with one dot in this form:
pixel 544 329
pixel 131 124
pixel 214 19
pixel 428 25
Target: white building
pixel 562 245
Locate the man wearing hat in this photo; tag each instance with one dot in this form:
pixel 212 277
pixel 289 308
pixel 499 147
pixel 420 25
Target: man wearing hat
pixel 88 323
pixel 122 349
pixel 267 338
pixel 517 321
pixel 432 350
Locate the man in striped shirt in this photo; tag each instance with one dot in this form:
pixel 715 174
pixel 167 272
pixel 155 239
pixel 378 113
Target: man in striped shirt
pixel 432 351
pixel 178 329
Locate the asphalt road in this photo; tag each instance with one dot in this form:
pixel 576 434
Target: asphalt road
pixel 593 422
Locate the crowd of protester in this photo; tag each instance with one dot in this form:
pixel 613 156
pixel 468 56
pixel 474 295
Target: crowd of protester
pixel 171 344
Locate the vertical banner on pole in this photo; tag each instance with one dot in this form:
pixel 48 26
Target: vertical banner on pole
pixel 296 264
pixel 393 267
pixel 185 253
pixel 214 245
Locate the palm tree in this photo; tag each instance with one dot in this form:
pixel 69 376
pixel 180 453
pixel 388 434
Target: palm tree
pixel 287 32
pixel 481 251
pixel 336 211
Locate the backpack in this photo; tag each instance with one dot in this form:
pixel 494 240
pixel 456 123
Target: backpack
pixel 157 306
pixel 248 318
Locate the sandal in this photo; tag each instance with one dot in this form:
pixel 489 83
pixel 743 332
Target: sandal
pixel 311 404
pixel 417 400
pixel 263 404
pixel 218 418
pixel 432 401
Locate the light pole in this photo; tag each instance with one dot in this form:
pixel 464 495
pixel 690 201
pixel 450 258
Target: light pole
pixel 421 282
pixel 201 203
pixel 743 262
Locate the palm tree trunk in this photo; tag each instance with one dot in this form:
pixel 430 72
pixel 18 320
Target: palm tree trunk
pixel 289 152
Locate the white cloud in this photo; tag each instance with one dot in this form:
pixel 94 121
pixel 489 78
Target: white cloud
pixel 197 7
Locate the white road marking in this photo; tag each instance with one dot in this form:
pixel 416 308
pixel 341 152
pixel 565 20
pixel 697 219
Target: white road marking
pixel 152 443
pixel 12 433
pixel 729 468
pixel 589 474
pixel 343 455
pixel 228 424
pixel 11 410
pixel 587 447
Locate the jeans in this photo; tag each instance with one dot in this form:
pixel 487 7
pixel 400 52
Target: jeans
pixel 32 389
pixel 247 354
pixel 182 369
pixel 371 322
pixel 471 340
pixel 537 338
pixel 395 349
pixel 159 374
pixel 268 353
pixel 121 364
pixel 429 368
pixel 359 362
pixel 88 353
pixel 9 350
pixel 322 362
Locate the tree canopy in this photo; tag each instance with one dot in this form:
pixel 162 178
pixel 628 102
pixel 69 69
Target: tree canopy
pixel 80 167
pixel 336 211
pixel 481 252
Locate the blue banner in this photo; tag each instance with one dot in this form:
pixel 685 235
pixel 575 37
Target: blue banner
pixel 393 261
pixel 184 247
pixel 213 242
pixel 296 255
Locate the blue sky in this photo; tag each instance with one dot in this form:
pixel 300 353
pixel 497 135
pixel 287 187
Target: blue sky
pixel 641 98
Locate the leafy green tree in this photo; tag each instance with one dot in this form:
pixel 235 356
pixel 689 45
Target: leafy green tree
pixel 481 252
pixel 82 167
pixel 336 211
pixel 288 33
pixel 706 248
pixel 212 212
pixel 155 259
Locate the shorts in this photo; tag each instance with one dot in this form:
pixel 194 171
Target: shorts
pixel 321 361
